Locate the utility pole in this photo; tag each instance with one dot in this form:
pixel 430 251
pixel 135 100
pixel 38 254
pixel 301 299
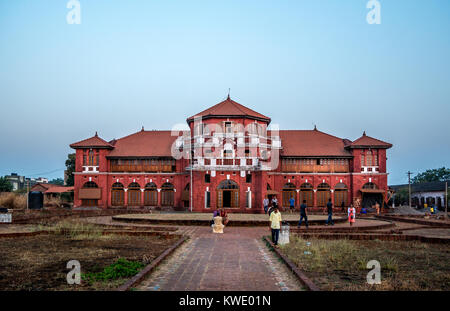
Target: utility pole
pixel 409 186
pixel 446 199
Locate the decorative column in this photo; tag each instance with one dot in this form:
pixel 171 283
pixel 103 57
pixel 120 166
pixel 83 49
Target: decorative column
pixel 159 198
pixel 125 197
pixel 142 197
pixel 315 197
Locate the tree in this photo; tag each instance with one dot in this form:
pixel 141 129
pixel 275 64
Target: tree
pixel 57 181
pixel 70 164
pixel 5 185
pixel 439 174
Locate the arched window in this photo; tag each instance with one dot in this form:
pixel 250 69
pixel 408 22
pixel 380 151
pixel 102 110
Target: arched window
pixel 323 194
pixel 134 194
pixel 340 195
pixel 150 194
pixel 89 202
pixel 307 194
pixel 167 194
pixel 117 194
pixel 288 193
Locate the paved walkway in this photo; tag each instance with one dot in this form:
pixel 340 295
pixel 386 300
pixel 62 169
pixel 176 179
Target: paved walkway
pixel 236 260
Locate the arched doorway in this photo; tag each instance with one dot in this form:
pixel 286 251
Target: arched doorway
pixel 186 195
pixel 150 194
pixel 89 202
pixel 117 194
pixel 323 194
pixel 228 194
pixel 307 193
pixel 371 195
pixel 340 195
pixel 134 194
pixel 287 193
pixel 167 194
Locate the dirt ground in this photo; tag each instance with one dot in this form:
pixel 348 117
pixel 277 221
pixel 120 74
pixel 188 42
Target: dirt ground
pixel 341 264
pixel 39 262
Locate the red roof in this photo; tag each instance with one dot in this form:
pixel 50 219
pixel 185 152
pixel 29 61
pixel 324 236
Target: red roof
pixel 311 143
pixel 93 142
pixel 58 189
pixel 230 108
pixel 144 144
pixel 367 141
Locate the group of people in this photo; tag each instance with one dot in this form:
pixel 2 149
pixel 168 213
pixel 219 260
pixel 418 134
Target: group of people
pixel 275 217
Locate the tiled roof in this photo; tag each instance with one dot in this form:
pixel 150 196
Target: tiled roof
pixel 423 187
pixel 59 189
pixel 94 141
pixel 231 108
pixel 367 141
pixel 144 144
pixel 303 143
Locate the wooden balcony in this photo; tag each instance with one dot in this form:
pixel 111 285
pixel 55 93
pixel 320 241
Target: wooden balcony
pixel 293 168
pixel 143 168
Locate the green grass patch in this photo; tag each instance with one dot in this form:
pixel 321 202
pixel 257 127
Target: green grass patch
pixel 122 268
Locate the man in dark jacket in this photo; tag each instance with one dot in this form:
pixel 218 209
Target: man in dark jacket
pixel 330 213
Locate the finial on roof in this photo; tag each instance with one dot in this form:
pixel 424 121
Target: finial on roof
pixel 96 135
pixel 142 128
pixel 364 133
pixel 315 127
pixel 229 90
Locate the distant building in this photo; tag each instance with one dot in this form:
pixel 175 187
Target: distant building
pixel 427 192
pixel 21 182
pixel 17 182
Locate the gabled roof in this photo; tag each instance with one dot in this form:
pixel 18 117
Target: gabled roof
pixel 230 108
pixel 93 142
pixel 59 189
pixel 366 141
pixel 311 143
pixel 144 144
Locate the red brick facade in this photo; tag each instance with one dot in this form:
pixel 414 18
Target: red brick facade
pixel 229 143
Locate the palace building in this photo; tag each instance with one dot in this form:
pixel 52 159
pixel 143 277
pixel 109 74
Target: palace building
pixel 229 158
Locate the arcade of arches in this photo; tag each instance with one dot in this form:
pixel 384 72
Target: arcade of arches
pixel 142 197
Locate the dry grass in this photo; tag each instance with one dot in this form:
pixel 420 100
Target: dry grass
pixel 52 201
pixel 341 264
pixel 74 229
pixel 39 262
pixel 13 200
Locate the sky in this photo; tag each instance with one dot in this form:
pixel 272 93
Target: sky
pixel 153 63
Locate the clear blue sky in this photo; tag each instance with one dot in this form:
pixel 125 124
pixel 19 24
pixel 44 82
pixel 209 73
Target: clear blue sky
pixel 154 63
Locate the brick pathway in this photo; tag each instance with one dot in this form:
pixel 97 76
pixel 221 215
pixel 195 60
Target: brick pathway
pixel 235 260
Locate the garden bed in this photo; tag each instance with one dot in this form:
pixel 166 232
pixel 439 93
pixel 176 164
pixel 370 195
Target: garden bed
pixel 39 262
pixel 341 264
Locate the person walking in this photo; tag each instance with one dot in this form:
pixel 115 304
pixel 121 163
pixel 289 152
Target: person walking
pixel 275 221
pixel 266 205
pixel 291 205
pixel 303 215
pixel 351 211
pixel 275 201
pixel 330 213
